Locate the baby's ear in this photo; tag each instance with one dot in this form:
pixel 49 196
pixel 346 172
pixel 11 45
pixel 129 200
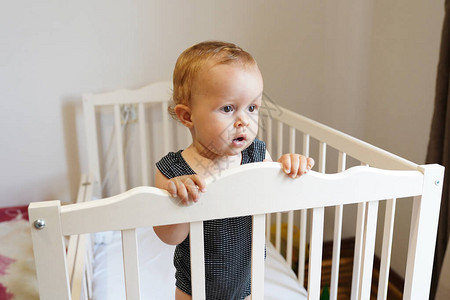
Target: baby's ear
pixel 183 113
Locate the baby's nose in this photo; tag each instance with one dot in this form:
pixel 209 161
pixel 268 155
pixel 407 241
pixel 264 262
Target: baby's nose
pixel 242 121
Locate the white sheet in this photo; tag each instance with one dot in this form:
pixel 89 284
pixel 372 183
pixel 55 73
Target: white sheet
pixel 157 270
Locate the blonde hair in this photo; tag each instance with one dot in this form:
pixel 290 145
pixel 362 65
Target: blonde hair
pixel 191 61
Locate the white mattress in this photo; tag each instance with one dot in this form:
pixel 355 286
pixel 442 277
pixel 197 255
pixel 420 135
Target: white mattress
pixel 157 270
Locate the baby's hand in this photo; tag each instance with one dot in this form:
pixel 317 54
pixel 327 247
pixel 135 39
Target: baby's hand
pixel 295 164
pixel 186 187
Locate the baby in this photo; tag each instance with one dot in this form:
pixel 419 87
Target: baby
pixel 217 92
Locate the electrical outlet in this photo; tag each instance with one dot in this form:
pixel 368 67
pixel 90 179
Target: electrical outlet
pixel 128 113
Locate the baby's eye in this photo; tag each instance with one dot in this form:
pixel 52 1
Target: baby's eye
pixel 227 108
pixel 252 108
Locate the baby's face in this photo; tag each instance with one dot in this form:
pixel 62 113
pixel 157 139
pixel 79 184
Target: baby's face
pixel 224 104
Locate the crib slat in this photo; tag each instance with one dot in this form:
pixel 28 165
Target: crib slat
pixel 258 257
pixel 71 254
pixel 278 232
pixel 78 280
pixel 369 249
pixel 322 157
pixel 336 251
pixel 260 133
pixel 143 144
pixel 290 233
pixel 279 153
pixel 268 141
pixel 74 239
pixel 359 236
pixel 85 291
pixel 302 247
pixel 337 236
pixel 291 139
pixel 165 124
pixel 90 256
pixel 306 140
pixel 386 249
pixel 269 134
pixel 268 224
pixel 131 263
pixel 77 270
pixel 290 224
pixel 119 148
pixel 315 253
pixel 81 261
pixel 269 149
pixel 303 222
pixel 316 243
pixel 197 261
pixel 279 139
pixel 359 247
pixel 91 135
pixel 89 264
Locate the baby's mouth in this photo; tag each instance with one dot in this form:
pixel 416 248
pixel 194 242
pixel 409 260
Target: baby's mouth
pixel 239 141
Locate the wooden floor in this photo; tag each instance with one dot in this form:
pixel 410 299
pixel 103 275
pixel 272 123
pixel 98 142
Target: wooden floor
pixel 395 286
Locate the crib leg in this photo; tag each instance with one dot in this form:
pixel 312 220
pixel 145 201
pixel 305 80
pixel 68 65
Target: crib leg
pixel 422 239
pixel 51 266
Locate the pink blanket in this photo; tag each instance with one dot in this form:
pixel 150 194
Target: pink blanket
pixel 17 270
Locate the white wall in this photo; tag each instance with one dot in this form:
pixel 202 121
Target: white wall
pixel 403 60
pixel 367 68
pixel 51 52
pixel 364 67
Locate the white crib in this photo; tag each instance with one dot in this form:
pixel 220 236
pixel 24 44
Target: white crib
pixel 66 272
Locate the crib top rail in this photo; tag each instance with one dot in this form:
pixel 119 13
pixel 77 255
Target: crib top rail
pixel 354 147
pixel 160 92
pixel 233 194
pixel 153 93
pixel 145 204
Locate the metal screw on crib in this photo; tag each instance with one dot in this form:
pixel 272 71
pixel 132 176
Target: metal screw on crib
pixel 39 224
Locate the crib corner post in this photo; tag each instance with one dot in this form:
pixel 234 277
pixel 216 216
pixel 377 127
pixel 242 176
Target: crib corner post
pixel 49 250
pixel 422 239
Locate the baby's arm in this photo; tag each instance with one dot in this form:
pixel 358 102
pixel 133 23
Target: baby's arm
pixel 294 164
pixel 187 189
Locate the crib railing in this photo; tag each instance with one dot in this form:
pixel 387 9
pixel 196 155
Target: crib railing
pixel 80 251
pixel 144 206
pixel 366 222
pixel 130 107
pixel 276 123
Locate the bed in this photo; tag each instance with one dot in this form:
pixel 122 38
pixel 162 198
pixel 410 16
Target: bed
pixel 103 246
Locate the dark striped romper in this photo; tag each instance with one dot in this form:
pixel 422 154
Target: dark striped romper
pixel 227 241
